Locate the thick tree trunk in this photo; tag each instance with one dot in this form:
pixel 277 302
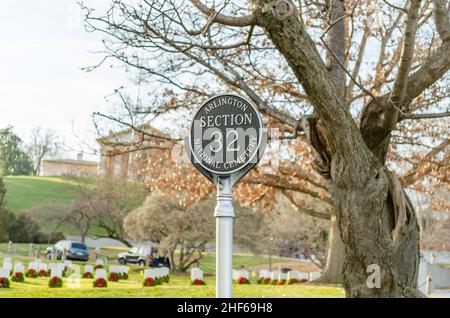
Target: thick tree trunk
pixel 378 226
pixel 368 224
pixel 332 273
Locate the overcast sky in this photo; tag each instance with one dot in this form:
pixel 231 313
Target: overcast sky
pixel 42 47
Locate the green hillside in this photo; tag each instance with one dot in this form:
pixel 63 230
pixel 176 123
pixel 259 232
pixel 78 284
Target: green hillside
pixel 28 192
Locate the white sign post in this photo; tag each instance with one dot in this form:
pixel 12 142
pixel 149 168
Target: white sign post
pixel 225 142
pixel 224 214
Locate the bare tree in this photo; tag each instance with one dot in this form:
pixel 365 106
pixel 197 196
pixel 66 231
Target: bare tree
pixel 287 227
pixel 307 68
pixel 110 201
pixel 183 232
pixel 76 215
pixel 43 143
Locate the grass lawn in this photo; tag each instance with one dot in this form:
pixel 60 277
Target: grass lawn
pixel 27 192
pixel 178 287
pixel 207 263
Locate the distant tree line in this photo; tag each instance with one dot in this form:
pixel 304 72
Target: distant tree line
pixel 21 228
pixel 13 158
pixel 18 158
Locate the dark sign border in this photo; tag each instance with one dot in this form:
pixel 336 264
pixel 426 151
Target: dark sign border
pixel 259 139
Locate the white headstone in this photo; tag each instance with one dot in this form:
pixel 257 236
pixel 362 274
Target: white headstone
pixel 282 276
pixel 42 266
pixel 33 265
pixel 235 274
pixel 264 273
pixel 19 268
pixel 293 275
pixel 8 266
pixel 274 275
pixel 114 269
pixel 314 275
pixel 196 273
pixel 60 266
pixel 165 271
pixel 56 273
pixel 304 276
pixel 149 273
pixel 67 263
pixel 124 269
pixel 89 269
pixel 100 273
pixel 4 273
pixel 38 261
pixel 7 260
pixel 244 274
pixel 99 262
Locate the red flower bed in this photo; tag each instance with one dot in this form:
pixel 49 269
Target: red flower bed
pixel 242 280
pixel 43 273
pixel 18 277
pixel 88 275
pixel 31 273
pixel 4 282
pixel 55 282
pixel 148 282
pixel 113 277
pixel 198 282
pixel 101 283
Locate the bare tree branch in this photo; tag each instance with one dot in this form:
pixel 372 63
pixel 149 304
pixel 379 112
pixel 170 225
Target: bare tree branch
pixel 441 18
pixel 224 19
pixel 412 176
pixel 401 80
pixel 302 209
pixel 424 116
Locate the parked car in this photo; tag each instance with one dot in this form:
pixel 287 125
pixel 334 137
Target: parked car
pixel 137 255
pixel 141 254
pixel 74 250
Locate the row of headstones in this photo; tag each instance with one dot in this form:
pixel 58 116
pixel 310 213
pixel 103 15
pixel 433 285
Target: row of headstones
pixel 152 276
pixel 32 251
pixel 281 277
pixel 56 269
pixel 36 265
pixel 18 270
pixel 265 277
pixel 156 276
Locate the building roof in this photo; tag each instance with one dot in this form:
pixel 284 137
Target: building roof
pixel 113 137
pixel 72 162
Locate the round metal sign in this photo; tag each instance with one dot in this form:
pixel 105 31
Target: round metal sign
pixel 226 134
